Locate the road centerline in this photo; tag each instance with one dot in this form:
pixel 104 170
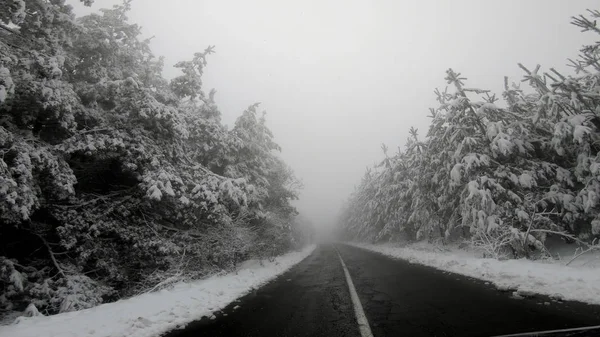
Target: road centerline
pixel 361 318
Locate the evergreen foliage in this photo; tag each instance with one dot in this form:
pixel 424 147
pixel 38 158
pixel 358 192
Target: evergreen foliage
pixel 503 177
pixel 113 180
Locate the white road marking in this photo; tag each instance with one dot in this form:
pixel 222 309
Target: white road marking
pixel 361 319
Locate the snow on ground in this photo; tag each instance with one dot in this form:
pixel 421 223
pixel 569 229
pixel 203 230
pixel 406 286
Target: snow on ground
pixel 155 313
pixel 580 281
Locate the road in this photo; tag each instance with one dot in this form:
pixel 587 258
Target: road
pixel 398 299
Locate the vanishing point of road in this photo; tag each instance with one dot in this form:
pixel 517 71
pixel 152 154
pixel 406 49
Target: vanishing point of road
pixel 341 290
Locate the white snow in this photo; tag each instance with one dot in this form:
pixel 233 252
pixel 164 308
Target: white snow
pixel 3 93
pixel 155 313
pixel 16 279
pixel 580 281
pixel 595 226
pixel 502 144
pixel 526 180
pixel 455 174
pixel 579 132
pixel 154 193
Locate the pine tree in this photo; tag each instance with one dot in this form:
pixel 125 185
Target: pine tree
pixel 113 180
pixel 503 177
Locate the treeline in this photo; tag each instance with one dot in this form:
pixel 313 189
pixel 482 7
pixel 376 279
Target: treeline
pixel 504 176
pixel 115 181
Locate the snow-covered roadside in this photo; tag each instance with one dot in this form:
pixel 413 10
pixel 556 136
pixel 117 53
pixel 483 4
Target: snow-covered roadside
pixel 155 313
pixel 580 282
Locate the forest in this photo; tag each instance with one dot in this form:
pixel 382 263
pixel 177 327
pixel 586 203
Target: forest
pixel 115 181
pixel 498 173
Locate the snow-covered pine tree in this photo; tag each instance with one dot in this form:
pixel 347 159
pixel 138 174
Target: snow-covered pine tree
pixel 503 177
pixel 114 180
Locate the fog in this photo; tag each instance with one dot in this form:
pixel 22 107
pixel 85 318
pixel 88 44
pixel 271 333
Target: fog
pixel 338 78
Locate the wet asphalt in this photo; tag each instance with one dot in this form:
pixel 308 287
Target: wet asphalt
pixel 399 299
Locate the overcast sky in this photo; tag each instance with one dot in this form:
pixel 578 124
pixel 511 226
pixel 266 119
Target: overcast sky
pixel 339 77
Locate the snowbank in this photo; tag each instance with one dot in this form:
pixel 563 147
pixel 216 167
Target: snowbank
pixel 155 313
pixel 578 282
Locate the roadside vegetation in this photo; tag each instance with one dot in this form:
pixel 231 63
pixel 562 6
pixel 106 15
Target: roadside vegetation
pixel 115 181
pixel 502 173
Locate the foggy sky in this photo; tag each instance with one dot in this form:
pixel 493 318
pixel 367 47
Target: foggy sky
pixel 339 77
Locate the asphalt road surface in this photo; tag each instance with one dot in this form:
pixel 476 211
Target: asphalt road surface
pixel 398 299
